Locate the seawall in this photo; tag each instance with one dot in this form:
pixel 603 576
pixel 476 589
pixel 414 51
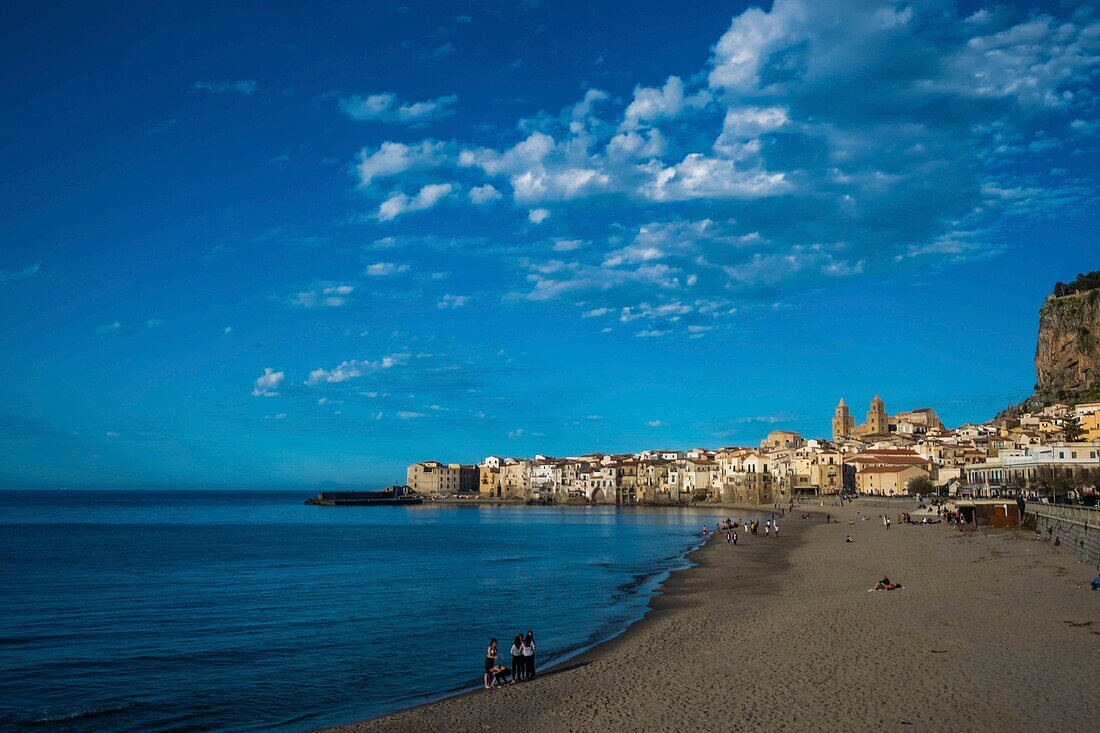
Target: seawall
pixel 1074 527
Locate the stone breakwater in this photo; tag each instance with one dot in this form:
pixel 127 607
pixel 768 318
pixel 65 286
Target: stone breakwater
pixel 1074 527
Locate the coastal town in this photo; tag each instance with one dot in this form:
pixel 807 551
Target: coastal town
pixel 1054 451
pixel 1047 447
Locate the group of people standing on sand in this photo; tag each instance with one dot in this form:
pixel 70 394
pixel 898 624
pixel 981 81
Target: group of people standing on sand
pixel 730 528
pixel 523 662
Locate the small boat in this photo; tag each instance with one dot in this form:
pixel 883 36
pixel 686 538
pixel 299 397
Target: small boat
pixel 394 495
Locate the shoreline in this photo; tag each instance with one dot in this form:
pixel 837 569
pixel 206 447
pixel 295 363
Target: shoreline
pixel 662 602
pixel 783 634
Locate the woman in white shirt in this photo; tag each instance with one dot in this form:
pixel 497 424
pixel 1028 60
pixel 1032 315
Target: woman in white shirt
pixel 518 663
pixel 529 656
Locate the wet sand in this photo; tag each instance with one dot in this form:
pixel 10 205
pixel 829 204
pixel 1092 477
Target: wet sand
pixel 992 631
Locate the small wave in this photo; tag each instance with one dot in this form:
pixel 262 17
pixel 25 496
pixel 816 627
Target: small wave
pixel 78 714
pixel 32 639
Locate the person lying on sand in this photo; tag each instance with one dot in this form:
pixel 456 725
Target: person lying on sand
pixel 848 538
pixel 885 584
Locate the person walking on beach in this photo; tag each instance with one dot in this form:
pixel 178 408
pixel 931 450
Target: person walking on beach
pixel 768 528
pixel 518 667
pixel 529 656
pixel 735 538
pixel 887 522
pixel 775 526
pixel 746 527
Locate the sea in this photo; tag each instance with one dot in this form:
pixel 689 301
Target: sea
pixel 249 610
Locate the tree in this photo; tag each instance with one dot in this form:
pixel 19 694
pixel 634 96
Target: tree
pixel 920 485
pixel 1072 429
pixel 1085 281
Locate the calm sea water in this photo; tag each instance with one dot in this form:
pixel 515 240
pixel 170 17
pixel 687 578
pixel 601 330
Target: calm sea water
pixel 189 611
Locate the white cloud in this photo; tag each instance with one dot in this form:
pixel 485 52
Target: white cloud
pixel 698 176
pixel 387 107
pixel 400 203
pixel 538 216
pixel 409 415
pixel 227 330
pixel 27 272
pixel 385 269
pixel 517 433
pixel 108 329
pixel 449 301
pixel 484 194
pixel 245 86
pixel 267 384
pixel 353 369
pixel 844 113
pixel 322 295
pixel 656 423
pixel 631 145
pixel 567 245
pixel 749 122
pixel 651 104
pixel 442 51
pixel 391 159
pixel 154 323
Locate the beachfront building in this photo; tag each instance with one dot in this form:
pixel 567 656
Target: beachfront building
pixel 488 481
pixel 813 471
pixel 699 478
pixel 888 480
pixel 624 470
pixel 433 477
pixel 745 476
pixel 515 481
pixel 1038 471
pixel 544 478
pixel 597 483
pixel 1088 415
pixel 653 481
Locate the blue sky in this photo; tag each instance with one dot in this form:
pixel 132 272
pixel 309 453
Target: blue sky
pixel 276 244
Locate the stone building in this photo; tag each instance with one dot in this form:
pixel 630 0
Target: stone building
pixel 887 480
pixel 433 477
pixel 843 424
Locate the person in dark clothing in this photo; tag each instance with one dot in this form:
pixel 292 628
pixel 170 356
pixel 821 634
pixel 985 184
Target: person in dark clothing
pixel 491 663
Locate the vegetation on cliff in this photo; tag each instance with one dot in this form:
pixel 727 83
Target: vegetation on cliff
pixel 1086 281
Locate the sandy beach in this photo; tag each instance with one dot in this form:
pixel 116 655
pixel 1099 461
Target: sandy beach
pixel 992 630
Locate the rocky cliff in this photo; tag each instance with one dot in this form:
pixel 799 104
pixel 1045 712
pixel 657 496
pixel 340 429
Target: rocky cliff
pixel 1067 357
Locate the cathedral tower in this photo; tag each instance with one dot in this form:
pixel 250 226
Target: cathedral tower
pixel 842 422
pixel 877 420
